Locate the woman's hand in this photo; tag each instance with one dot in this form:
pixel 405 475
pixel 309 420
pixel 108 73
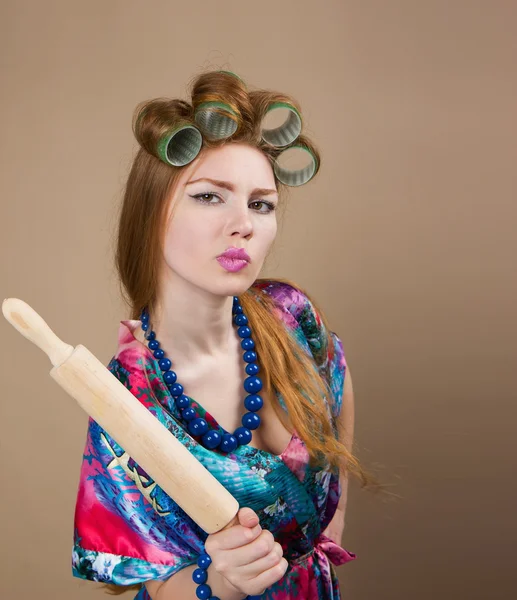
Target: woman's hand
pixel 246 555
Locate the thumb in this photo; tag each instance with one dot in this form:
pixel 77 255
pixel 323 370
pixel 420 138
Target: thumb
pixel 248 517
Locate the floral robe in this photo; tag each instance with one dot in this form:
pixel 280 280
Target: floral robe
pixel 128 531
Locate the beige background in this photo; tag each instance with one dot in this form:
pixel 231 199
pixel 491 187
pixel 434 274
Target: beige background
pixel 406 238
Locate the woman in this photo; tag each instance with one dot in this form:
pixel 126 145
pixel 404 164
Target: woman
pixel 243 371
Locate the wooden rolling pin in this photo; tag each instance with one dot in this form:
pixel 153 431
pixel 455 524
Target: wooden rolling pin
pixel 129 423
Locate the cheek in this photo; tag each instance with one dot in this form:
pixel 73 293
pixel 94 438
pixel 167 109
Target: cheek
pixel 187 237
pixel 269 233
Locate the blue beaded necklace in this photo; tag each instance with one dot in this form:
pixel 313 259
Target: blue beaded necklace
pixel 199 428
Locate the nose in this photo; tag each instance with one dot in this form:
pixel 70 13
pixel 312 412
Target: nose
pixel 239 222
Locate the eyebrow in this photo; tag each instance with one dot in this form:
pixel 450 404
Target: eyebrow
pixel 230 187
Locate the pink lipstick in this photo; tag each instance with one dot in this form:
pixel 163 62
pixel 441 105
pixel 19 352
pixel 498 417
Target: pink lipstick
pixel 234 259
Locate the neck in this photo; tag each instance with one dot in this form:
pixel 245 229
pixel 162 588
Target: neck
pixel 190 321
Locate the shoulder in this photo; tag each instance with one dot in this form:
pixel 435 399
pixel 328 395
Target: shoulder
pixel 291 298
pixel 308 323
pixel 301 314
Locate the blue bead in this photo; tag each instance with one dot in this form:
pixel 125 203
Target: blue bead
pixel 238 310
pixel 229 442
pixel 198 426
pixel 251 420
pixel 243 435
pixel 144 317
pixel 211 440
pixel 247 344
pixel 204 561
pixel 252 369
pixel 151 336
pixel 183 402
pixel 249 356
pixel 165 364
pixel 199 576
pixel 252 384
pixel 240 320
pixel 170 377
pixel 235 300
pixel 176 389
pixel 154 344
pixel 253 402
pixel 159 353
pixel 145 326
pixel 203 591
pixel 244 331
pixel 189 413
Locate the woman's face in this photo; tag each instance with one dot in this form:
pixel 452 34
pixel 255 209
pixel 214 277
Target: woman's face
pixel 235 209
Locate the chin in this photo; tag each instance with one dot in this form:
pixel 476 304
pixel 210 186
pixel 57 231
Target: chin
pixel 235 285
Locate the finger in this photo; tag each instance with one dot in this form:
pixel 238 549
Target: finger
pixel 248 517
pixel 259 547
pixel 255 568
pixel 235 537
pixel 259 584
pixel 249 553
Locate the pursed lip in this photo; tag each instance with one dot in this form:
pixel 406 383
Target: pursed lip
pixel 238 253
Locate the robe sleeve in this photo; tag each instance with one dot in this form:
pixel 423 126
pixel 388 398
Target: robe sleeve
pixel 126 529
pixel 306 324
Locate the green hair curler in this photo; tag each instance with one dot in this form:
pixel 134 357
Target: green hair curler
pixel 216 120
pixel 234 75
pixel 180 146
pixel 285 133
pixel 294 177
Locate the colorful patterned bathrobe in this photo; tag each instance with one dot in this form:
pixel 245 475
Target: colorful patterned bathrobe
pixel 127 530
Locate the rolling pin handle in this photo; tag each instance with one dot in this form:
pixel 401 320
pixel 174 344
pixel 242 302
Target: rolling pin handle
pixel 27 321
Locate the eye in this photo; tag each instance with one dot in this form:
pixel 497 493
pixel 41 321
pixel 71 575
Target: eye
pixel 268 206
pixel 202 197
